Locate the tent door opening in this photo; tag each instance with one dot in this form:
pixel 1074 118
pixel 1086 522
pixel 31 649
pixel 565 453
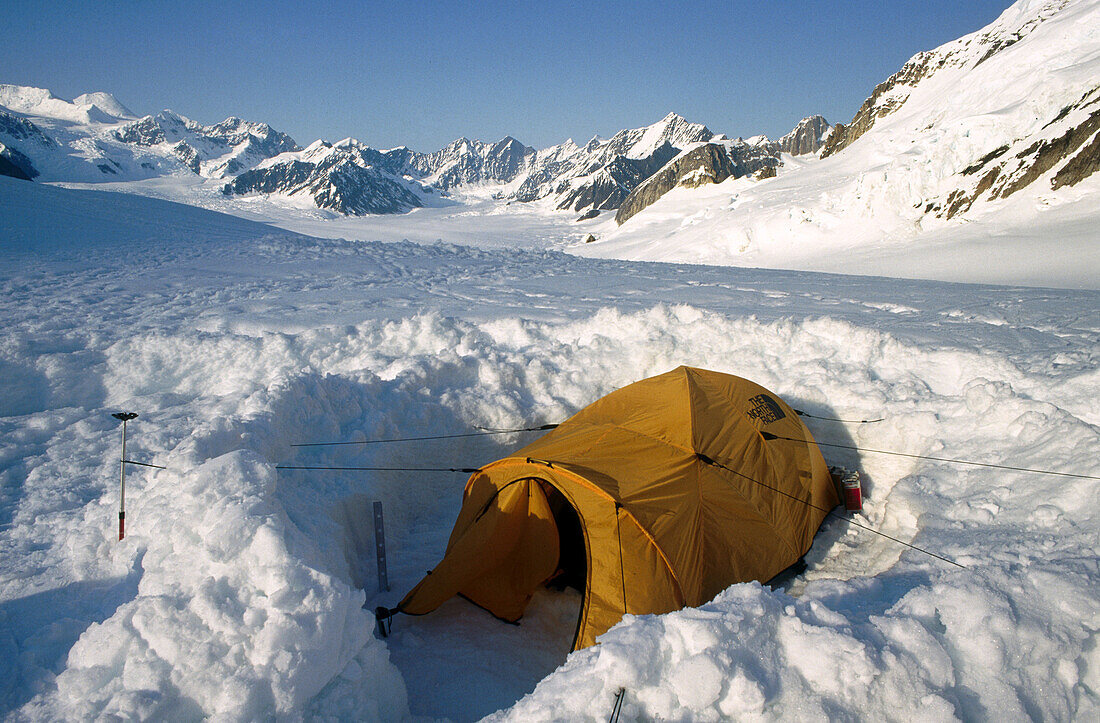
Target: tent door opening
pixel 572 558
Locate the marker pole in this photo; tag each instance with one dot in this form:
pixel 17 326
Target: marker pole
pixel 122 488
pixel 380 548
pixel 124 417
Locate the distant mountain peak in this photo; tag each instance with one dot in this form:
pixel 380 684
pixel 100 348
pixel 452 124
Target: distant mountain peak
pixel 106 103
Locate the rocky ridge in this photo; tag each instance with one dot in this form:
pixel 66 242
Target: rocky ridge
pixel 807 137
pixel 704 163
pixel 347 177
pixel 217 151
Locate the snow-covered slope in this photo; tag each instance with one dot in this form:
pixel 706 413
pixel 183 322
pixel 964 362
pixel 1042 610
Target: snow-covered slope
pixel 992 135
pixel 40 219
pixel 238 593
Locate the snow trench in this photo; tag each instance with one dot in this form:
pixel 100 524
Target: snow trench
pixel 239 591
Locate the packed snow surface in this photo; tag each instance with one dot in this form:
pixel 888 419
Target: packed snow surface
pixel 239 591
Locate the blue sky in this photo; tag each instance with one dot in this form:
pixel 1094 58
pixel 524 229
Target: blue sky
pixel 422 74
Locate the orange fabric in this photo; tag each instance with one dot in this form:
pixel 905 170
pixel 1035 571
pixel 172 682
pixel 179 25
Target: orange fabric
pixel 678 492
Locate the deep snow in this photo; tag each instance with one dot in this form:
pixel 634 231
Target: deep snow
pixel 238 592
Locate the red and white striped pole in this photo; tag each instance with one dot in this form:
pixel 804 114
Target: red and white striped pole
pixel 124 417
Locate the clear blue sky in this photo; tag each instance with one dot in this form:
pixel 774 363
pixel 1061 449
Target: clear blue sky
pixel 423 73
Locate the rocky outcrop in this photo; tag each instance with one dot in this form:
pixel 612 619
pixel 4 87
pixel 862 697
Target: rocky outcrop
pixel 16 131
pixel 154 130
pixel 807 137
pixel 187 155
pixel 22 130
pixel 260 138
pixel 707 163
pixel 610 185
pixel 341 178
pixel 1070 143
pixel 886 98
pixel 16 165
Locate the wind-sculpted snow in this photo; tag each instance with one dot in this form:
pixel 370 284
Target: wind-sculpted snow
pixel 238 593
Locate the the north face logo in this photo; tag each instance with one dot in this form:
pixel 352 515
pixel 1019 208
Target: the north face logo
pixel 765 409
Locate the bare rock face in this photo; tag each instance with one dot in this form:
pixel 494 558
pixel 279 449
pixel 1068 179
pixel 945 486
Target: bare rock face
pixel 612 183
pixel 806 137
pixel 15 164
pixel 1069 142
pixel 347 178
pixel 601 174
pixel 707 163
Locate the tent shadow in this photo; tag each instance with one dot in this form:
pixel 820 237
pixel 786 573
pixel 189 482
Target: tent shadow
pixel 835 526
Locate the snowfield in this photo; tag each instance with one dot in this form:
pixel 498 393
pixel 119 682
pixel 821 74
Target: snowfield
pixel 238 593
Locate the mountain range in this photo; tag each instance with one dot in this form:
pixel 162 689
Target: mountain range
pixel 96 138
pixel 995 135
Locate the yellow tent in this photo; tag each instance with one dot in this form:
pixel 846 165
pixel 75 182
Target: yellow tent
pixel 657 496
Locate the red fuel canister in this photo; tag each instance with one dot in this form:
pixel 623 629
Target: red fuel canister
pixel 853 493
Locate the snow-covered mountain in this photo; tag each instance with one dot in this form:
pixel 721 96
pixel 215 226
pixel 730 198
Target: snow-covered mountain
pixel 807 137
pixel 598 176
pixel 216 151
pixel 96 138
pixel 994 135
pixel 87 108
pixel 702 163
pixel 602 173
pixel 464 162
pixel 346 177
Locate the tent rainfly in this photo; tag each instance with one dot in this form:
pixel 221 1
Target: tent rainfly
pixel 655 497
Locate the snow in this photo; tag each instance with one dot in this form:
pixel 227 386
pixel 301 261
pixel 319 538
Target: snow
pixel 88 108
pixel 862 210
pixel 866 210
pixel 239 590
pixel 239 327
